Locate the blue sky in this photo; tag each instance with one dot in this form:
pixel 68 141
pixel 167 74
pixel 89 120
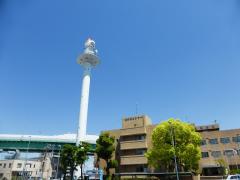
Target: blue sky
pixel 176 59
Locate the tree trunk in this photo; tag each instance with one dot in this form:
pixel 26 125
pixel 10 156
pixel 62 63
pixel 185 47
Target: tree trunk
pixel 81 172
pixel 71 173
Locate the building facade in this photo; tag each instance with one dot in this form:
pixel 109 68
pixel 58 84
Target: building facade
pixel 134 139
pixel 219 148
pixel 17 168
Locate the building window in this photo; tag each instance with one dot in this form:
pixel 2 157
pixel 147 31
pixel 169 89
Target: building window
pixel 203 142
pixel 229 152
pixel 0 164
pixel 216 154
pixel 236 139
pixel 140 137
pixel 225 140
pixel 9 165
pixel 140 151
pixel 213 141
pixel 141 168
pixel 19 165
pixel 205 155
pixel 4 165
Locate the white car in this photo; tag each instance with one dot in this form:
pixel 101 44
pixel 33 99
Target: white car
pixel 233 177
pixel 93 174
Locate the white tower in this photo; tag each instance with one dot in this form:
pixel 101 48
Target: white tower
pixel 88 60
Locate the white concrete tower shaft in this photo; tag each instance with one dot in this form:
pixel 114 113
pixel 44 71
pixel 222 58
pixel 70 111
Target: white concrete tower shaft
pixel 88 60
pixel 82 129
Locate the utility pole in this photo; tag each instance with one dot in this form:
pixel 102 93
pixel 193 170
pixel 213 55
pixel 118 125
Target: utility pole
pixel 173 144
pixel 26 157
pixel 59 153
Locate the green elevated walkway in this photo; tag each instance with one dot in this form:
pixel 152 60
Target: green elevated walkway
pixel 11 144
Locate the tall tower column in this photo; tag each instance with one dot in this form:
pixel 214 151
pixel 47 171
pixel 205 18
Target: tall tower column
pixel 88 60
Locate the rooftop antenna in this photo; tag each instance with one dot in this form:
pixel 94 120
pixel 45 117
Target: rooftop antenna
pixel 136 108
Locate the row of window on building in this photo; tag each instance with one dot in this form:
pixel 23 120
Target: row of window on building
pixel 4 165
pixel 223 140
pixel 217 154
pixel 19 165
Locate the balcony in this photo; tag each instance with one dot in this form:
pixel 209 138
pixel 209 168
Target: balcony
pixel 137 144
pixel 135 159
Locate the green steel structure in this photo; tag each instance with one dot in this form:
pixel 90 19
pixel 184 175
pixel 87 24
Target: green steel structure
pixel 35 145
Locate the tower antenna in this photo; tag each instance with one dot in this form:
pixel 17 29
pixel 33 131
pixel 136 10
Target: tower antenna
pixel 136 108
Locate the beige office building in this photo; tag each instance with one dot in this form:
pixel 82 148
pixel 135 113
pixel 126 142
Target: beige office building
pixel 34 169
pixel 134 138
pixel 219 145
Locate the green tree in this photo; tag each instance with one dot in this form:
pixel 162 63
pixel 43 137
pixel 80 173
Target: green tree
pixel 222 163
pixel 187 146
pixel 104 149
pixel 68 160
pixel 81 155
pixel 71 156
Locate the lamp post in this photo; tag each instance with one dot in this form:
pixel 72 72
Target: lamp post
pixel 60 147
pixel 238 148
pixel 26 157
pixel 235 154
pixel 173 144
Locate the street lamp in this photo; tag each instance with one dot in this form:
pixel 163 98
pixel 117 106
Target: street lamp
pixel 58 160
pixel 238 147
pixel 173 144
pixel 26 157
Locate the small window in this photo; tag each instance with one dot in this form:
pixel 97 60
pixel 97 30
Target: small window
pixel 140 151
pixel 236 139
pixel 229 153
pixel 203 142
pixel 19 165
pixel 238 151
pixel 9 165
pixel 205 155
pixel 225 140
pixel 216 154
pixel 213 141
pixel 140 137
pixel 0 164
pixel 4 165
pixel 34 166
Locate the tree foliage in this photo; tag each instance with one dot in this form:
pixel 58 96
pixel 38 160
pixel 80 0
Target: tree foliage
pixel 68 159
pixel 187 146
pixel 104 149
pixel 81 155
pixel 71 156
pixel 222 163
